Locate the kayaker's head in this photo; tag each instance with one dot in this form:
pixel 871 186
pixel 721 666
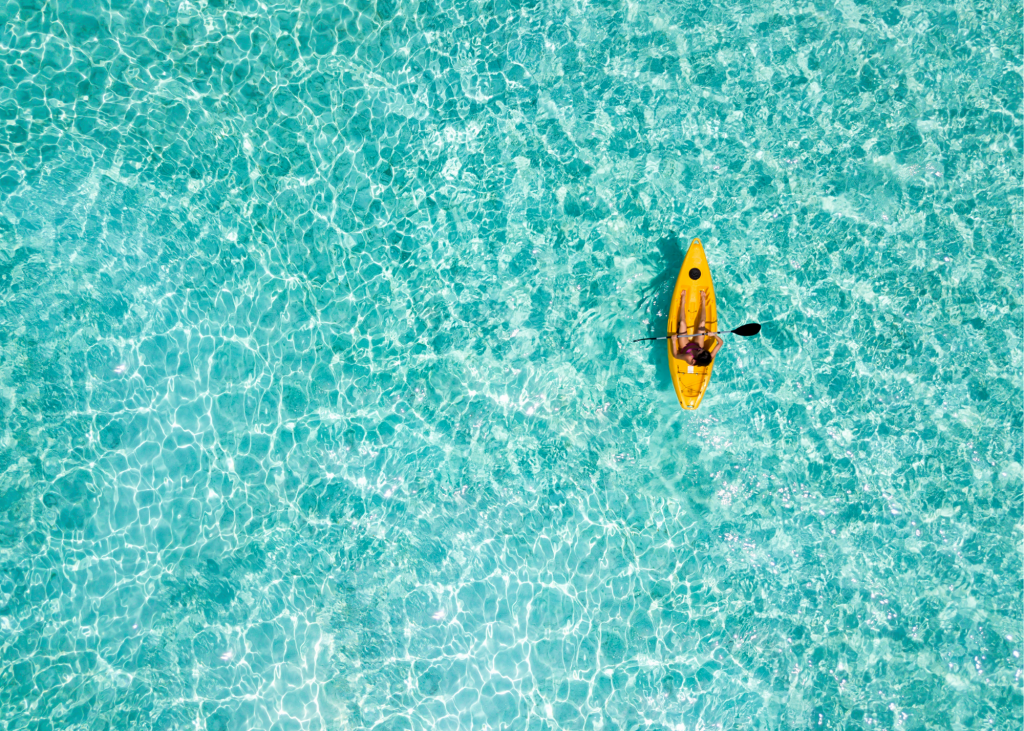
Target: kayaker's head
pixel 702 358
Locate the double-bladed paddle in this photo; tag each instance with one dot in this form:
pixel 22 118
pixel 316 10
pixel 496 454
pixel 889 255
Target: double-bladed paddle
pixel 744 331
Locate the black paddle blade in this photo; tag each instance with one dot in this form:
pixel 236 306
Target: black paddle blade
pixel 751 328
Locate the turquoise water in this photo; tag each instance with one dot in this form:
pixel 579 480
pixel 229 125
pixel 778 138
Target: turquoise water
pixel 320 410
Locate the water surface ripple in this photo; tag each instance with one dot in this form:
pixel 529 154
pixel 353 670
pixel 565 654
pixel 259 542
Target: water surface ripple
pixel 318 409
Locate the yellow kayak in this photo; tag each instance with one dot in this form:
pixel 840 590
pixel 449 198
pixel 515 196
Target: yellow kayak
pixel 695 275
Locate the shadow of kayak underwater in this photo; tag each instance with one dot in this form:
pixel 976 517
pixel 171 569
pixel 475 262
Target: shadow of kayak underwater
pixel 654 306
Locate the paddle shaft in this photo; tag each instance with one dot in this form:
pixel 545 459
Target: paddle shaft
pixel 695 335
pixel 743 331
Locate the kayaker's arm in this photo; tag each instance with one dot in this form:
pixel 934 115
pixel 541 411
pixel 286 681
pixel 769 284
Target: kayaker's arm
pixel 715 345
pixel 679 341
pixel 675 344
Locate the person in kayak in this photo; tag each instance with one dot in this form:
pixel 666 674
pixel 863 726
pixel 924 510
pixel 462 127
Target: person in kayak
pixel 695 348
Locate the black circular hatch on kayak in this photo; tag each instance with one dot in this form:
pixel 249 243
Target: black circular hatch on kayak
pixel 695 273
